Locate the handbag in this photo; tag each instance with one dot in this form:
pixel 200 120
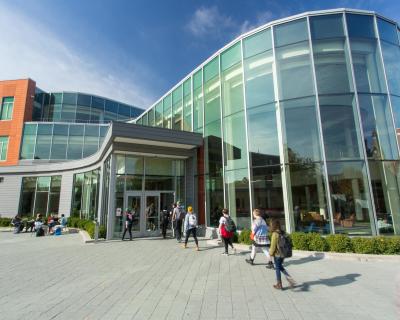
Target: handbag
pixel 252 236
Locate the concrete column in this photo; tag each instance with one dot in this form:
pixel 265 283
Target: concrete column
pixel 111 198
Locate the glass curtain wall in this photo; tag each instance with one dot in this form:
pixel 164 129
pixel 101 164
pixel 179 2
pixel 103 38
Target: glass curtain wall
pixel 40 195
pixel 85 195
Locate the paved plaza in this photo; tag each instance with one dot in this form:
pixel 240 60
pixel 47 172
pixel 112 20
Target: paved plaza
pixel 62 278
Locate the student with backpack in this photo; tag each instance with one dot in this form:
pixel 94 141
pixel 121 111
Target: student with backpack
pixel 280 249
pixel 260 239
pixel 227 229
pixel 190 227
pixel 128 224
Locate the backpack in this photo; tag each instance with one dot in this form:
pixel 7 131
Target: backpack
pixel 40 232
pixel 181 214
pixel 284 245
pixel 230 225
pixel 192 220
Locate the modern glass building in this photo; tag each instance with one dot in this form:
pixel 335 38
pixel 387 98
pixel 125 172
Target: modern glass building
pixel 297 118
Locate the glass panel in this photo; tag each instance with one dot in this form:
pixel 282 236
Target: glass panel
pixel 211 70
pixel 237 193
pixel 133 204
pixel 387 31
pixel 367 64
pixel 28 143
pixel 342 139
pixel 197 79
pixel 257 43
pixel 55 184
pixel 134 183
pixel 290 32
pixel 3 148
pixel 134 165
pixel 332 66
pixel 120 164
pixel 267 192
pixel 54 203
pixel 84 100
pixel 187 112
pixel 391 57
pixel 124 112
pixel 82 114
pixel 385 187
pixel 198 106
pixel 294 71
pixel 59 143
pixel 231 56
pixel 215 199
pixel 360 26
pixel 151 117
pixel 69 98
pixel 302 143
pixel 159 115
pixel 41 199
pixel 177 108
pixel 232 90
pixel 351 202
pixel 27 196
pixel 326 26
pixel 396 110
pixel 167 108
pixel 235 142
pixel 43 183
pixel 56 98
pixel 68 113
pixel 258 74
pixel 212 105
pixel 307 193
pixel 263 135
pixel 213 148
pixel 43 142
pixel 160 167
pixel 379 134
pixel 75 142
pixel 152 211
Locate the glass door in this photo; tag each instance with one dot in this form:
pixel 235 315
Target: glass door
pixel 152 213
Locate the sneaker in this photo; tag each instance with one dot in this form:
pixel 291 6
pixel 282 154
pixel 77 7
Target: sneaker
pixel 224 253
pixel 250 261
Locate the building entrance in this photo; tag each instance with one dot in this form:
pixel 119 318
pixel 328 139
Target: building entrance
pixel 146 208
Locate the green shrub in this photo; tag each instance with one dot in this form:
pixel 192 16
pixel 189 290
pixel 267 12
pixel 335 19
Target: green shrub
pixel 392 245
pixel 380 245
pixel 299 241
pixel 244 237
pixel 5 222
pixel 235 237
pixel 316 242
pixel 363 245
pixel 102 232
pixel 89 227
pixel 339 243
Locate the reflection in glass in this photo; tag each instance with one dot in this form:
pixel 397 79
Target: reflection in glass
pixel 257 43
pixel 28 142
pixel 197 101
pixel 360 26
pixel 385 187
pixel 43 142
pixel 290 32
pixel 326 26
pixel 232 90
pixel 351 202
pixel 308 205
pixel 387 31
pixel 379 134
pixel 151 212
pixel 301 131
pixel 294 71
pixel 342 139
pixel 391 58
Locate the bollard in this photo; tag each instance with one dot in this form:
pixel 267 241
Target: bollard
pixel 96 230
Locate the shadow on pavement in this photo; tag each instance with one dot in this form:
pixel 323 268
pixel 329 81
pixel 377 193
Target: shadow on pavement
pixel 302 260
pixel 330 282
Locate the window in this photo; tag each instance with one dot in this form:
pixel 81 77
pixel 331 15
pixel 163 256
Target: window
pixel 7 108
pixel 3 148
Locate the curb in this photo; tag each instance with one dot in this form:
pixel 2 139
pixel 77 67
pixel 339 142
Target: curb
pixel 323 255
pixel 86 237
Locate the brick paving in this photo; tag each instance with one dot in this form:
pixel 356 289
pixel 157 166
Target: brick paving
pixel 62 278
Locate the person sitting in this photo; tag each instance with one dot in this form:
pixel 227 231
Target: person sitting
pixel 39 226
pixel 63 221
pixel 50 223
pixel 17 223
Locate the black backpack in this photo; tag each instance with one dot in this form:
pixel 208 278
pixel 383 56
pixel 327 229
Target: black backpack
pixel 284 245
pixel 40 232
pixel 230 225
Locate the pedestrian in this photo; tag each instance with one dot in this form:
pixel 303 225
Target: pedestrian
pixel 178 215
pixel 227 229
pixel 278 243
pixel 260 239
pixel 164 222
pixel 39 226
pixel 17 223
pixel 128 224
pixel 190 227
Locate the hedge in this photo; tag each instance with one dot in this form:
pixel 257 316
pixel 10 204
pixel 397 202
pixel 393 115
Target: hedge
pixel 86 225
pixel 5 222
pixel 337 243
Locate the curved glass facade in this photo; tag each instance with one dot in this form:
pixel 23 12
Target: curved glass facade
pixel 79 107
pixel 298 119
pixel 61 141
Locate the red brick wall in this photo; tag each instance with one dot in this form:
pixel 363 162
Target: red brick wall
pixel 23 92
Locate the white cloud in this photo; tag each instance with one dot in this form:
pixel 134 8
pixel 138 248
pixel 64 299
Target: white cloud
pixel 209 22
pixel 262 18
pixel 31 50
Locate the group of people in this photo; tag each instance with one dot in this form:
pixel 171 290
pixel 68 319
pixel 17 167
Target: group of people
pixel 54 224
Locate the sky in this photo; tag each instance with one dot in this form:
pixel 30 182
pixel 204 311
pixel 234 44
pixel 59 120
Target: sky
pixel 133 51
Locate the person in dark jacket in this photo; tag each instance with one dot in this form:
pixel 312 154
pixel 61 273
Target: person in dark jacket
pixel 164 222
pixel 128 224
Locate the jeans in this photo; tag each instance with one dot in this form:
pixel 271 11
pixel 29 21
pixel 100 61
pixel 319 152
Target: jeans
pixel 227 241
pixel 194 232
pixel 164 226
pixel 279 268
pixel 178 229
pixel 129 228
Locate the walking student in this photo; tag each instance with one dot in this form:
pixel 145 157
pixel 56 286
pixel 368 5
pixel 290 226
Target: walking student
pixel 178 215
pixel 164 222
pixel 227 229
pixel 259 230
pixel 280 249
pixel 190 227
pixel 128 225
